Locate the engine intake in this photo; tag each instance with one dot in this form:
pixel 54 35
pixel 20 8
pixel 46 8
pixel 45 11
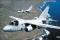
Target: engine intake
pixel 29 27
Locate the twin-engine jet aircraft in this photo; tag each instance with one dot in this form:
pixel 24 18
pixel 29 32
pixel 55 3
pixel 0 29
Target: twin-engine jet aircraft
pixel 23 11
pixel 19 24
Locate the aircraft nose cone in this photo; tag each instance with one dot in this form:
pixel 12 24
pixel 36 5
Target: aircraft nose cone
pixel 4 28
pixel 7 28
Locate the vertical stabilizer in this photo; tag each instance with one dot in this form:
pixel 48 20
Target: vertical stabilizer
pixel 44 14
pixel 29 8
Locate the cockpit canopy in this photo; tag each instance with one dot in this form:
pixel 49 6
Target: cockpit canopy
pixel 15 22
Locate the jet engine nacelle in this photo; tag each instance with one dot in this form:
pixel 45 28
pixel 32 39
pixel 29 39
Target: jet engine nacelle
pixel 29 27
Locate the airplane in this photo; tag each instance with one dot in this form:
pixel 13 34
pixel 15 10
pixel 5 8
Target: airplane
pixel 19 24
pixel 28 10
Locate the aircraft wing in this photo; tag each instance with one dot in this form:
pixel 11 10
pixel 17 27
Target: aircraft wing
pixel 15 18
pixel 49 26
pixel 21 10
pixel 44 25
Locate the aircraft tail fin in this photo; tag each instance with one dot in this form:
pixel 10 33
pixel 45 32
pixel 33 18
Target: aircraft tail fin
pixel 44 14
pixel 29 8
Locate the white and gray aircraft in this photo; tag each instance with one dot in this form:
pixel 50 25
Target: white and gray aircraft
pixel 28 10
pixel 19 24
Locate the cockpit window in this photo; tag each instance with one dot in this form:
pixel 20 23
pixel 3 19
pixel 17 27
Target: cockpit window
pixel 11 23
pixel 14 23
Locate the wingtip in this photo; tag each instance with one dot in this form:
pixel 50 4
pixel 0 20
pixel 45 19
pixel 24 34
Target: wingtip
pixel 11 16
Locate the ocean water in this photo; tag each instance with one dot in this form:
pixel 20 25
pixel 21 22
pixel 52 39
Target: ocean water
pixel 54 10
